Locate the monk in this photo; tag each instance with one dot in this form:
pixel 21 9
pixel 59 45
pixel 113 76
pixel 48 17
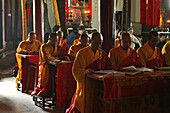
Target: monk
pixel 75 48
pixel 150 55
pixel 166 53
pixel 48 51
pixel 62 42
pixel 81 30
pixel 31 45
pixel 123 55
pixel 87 60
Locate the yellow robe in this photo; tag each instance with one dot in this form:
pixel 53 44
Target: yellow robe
pixel 47 53
pixel 147 54
pixel 73 51
pixel 116 55
pixel 166 53
pixel 83 58
pixel 25 45
pixel 63 44
pixel 76 41
pixel 117 42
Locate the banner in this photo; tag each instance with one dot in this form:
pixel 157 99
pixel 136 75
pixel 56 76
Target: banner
pixel 156 13
pixel 153 12
pixel 28 13
pixel 143 11
pixel 119 5
pixel 24 20
pixel 56 12
pixel 150 12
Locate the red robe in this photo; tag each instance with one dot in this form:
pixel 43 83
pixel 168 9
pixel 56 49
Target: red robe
pixel 119 58
pixel 150 58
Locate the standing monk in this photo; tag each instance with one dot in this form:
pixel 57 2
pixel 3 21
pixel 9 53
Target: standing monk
pixel 87 60
pixel 48 51
pixel 27 46
pixel 123 55
pixel 150 55
pixel 75 48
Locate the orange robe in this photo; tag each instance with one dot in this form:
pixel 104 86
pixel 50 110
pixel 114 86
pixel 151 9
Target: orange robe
pixel 150 58
pixel 117 42
pixel 76 41
pixel 64 45
pixel 25 45
pixel 119 58
pixel 166 53
pixel 73 51
pixel 84 60
pixel 47 53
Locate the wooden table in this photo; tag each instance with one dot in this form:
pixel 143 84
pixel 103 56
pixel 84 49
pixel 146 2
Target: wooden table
pixel 145 93
pixel 65 83
pixel 29 71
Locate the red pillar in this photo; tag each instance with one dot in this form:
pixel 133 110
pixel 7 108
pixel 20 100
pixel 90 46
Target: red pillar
pixel 106 16
pixel 38 20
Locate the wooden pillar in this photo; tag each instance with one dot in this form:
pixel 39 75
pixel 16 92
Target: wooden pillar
pixel 61 10
pixel 8 21
pixel 24 20
pixel 1 33
pixel 38 20
pixel 106 15
pixel 126 14
pixel 14 35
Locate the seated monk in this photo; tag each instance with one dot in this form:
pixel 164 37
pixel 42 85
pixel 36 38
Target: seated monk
pixel 31 45
pixel 166 53
pixel 48 51
pixel 123 55
pixel 87 60
pixel 150 55
pixel 75 48
pixel 62 42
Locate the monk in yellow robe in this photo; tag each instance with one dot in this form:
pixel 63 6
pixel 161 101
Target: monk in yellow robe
pixel 48 51
pixel 30 45
pixel 62 42
pixel 75 48
pixel 166 53
pixel 149 55
pixel 87 60
pixel 123 55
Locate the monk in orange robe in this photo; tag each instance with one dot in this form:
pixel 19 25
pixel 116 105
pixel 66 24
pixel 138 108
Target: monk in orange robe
pixel 166 53
pixel 30 45
pixel 62 42
pixel 149 55
pixel 75 48
pixel 48 51
pixel 87 60
pixel 123 55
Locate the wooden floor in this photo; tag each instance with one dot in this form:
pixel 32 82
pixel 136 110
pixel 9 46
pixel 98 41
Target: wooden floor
pixel 13 101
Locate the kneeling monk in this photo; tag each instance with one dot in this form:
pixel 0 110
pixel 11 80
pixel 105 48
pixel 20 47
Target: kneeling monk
pixel 75 48
pixel 30 45
pixel 150 55
pixel 123 55
pixel 87 60
pixel 48 51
